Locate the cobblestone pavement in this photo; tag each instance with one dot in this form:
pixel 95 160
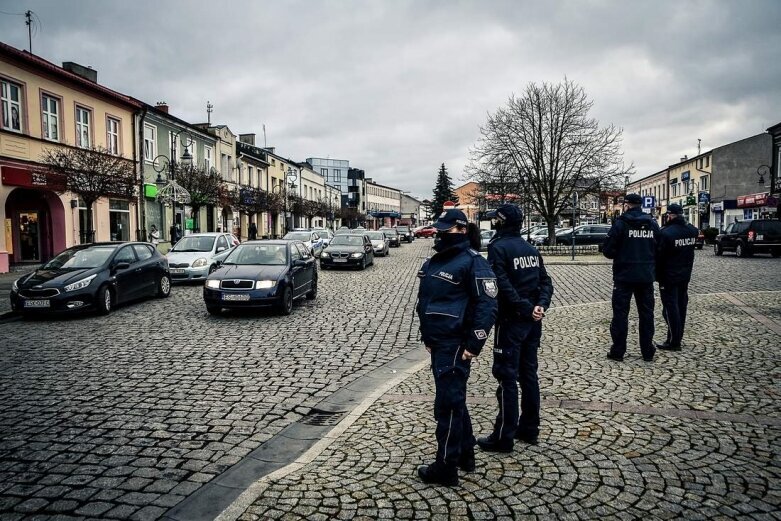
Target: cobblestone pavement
pixel 121 417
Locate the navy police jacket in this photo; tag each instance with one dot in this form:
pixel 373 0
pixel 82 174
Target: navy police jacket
pixel 675 252
pixel 631 243
pixel 523 281
pixel 456 299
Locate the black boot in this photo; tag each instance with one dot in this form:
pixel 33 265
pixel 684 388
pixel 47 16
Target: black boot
pixel 467 460
pixel 491 444
pixel 438 473
pixel 531 439
pixel 668 347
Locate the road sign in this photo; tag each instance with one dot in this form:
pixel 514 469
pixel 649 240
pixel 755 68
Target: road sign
pixel 649 201
pixel 704 197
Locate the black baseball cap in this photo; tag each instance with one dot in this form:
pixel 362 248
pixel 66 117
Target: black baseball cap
pixel 450 218
pixel 633 199
pixel 507 213
pixel 676 209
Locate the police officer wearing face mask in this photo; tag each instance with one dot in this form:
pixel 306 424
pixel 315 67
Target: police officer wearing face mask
pixel 674 262
pixel 457 308
pixel 631 243
pixel 525 292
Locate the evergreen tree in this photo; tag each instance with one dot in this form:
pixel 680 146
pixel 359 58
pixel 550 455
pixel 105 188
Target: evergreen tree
pixel 443 191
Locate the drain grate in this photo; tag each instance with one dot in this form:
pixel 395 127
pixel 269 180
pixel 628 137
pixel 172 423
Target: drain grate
pixel 316 417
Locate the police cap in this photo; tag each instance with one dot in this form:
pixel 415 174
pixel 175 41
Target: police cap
pixel 507 213
pixel 633 199
pixel 450 218
pixel 677 209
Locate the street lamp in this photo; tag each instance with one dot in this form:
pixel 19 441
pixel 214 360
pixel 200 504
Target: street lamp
pixel 171 192
pixel 281 189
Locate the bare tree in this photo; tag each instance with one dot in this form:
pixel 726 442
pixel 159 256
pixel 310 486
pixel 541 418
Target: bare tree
pixel 203 186
pixel 547 141
pixel 92 173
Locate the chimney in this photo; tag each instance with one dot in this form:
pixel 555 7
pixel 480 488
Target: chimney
pixel 247 138
pixel 88 73
pixel 684 158
pixel 269 149
pixel 162 106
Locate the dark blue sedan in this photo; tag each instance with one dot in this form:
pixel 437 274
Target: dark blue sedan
pixel 260 274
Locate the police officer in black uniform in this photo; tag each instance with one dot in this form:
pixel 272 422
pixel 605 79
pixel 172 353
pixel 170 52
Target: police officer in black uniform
pixel 457 308
pixel 631 243
pixel 525 292
pixel 674 263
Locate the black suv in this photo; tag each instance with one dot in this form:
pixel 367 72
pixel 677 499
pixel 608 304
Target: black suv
pixel 405 233
pixel 748 237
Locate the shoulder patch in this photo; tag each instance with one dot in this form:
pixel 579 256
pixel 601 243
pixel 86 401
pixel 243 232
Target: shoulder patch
pixel 490 288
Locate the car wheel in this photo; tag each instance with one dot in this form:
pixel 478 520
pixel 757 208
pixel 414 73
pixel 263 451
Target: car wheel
pixel 104 300
pixel 214 310
pixel 740 250
pixel 212 268
pixel 718 250
pixel 776 253
pixel 286 301
pixel 312 294
pixel 363 263
pixel 163 286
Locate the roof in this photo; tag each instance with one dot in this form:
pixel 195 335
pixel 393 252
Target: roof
pixel 31 60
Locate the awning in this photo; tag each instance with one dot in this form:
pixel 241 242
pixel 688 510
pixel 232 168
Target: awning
pixel 383 215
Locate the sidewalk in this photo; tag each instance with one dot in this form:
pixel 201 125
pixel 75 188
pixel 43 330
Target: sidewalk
pixel 694 434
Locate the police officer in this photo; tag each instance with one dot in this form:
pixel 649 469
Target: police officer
pixel 525 292
pixel 457 308
pixel 674 262
pixel 631 243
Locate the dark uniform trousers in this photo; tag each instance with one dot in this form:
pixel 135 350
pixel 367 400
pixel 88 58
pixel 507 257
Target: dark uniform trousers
pixel 619 326
pixel 454 426
pixel 515 362
pixel 675 300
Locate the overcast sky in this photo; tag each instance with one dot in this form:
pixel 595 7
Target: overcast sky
pixel 399 87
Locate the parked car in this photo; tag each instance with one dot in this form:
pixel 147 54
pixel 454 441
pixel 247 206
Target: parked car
pixel 393 236
pixel 748 237
pixel 540 237
pixel 380 243
pixel 261 274
pixel 310 239
pixel 485 238
pixel 699 243
pixel 354 250
pixel 584 234
pixel 325 235
pixel 405 233
pixel 426 231
pixel 344 230
pixel 198 254
pixel 93 276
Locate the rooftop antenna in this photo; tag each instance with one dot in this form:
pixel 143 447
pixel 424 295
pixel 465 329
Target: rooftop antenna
pixel 265 145
pixel 209 109
pixel 29 16
pixel 699 143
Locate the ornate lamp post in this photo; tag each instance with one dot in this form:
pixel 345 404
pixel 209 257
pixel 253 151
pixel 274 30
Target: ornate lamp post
pixel 281 189
pixel 171 192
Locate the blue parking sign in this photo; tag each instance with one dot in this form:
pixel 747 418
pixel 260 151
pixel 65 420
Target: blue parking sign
pixel 649 201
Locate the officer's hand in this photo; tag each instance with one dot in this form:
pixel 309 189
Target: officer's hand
pixel 538 313
pixel 467 355
pixel 428 349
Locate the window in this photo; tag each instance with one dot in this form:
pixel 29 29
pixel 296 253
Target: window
pixel 324 173
pixel 112 136
pixel 150 143
pixel 707 161
pixel 294 253
pixel 143 251
pixel 119 219
pixel 83 122
pixel 125 255
pixel 222 242
pixel 208 160
pixel 699 163
pixel 704 183
pixel 50 114
pixel 249 176
pixel 11 97
pixel 225 167
pixel 338 176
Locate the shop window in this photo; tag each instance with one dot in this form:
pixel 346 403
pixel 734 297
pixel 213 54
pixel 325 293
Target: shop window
pixel 119 220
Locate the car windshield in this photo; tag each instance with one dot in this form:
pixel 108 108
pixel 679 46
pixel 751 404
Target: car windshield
pixel 298 236
pixel 80 259
pixel 258 254
pixel 347 240
pixel 403 229
pixel 194 243
pixel 389 232
pixel 376 236
pixel 487 234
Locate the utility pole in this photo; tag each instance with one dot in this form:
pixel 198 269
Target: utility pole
pixel 209 109
pixel 29 16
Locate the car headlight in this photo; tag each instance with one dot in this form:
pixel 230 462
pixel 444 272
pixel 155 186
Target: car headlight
pixel 265 284
pixel 200 263
pixel 325 254
pixel 356 255
pixel 213 284
pixel 80 284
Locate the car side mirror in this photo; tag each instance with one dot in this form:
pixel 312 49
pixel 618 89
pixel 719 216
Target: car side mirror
pixel 299 262
pixel 221 249
pixel 121 266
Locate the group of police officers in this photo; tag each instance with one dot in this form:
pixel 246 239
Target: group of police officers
pixel 462 296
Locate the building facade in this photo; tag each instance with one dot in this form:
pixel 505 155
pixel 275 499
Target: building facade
pixel 410 211
pixel 383 205
pixel 47 107
pixel 468 200
pixel 334 171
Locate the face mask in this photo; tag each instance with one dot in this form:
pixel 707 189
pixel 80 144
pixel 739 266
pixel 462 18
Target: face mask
pixel 447 240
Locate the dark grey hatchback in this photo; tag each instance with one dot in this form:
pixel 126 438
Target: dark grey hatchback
pixel 93 276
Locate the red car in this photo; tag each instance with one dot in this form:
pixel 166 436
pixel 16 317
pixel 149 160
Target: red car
pixel 426 231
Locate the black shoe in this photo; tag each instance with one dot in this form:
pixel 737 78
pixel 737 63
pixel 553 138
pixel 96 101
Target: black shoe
pixel 648 359
pixel 491 444
pixel 439 474
pixel 467 460
pixel 615 357
pixel 668 347
pixel 529 439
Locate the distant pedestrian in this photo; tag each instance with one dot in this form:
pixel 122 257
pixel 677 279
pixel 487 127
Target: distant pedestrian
pixel 457 308
pixel 674 263
pixel 154 236
pixel 631 243
pixel 525 292
pixel 252 232
pixel 176 234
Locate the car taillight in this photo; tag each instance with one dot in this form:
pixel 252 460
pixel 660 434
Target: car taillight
pixel 751 235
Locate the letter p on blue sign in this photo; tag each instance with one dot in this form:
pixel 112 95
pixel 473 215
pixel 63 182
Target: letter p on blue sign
pixel 649 201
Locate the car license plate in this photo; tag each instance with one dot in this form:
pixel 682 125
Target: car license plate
pixel 37 303
pixel 177 271
pixel 340 260
pixel 235 296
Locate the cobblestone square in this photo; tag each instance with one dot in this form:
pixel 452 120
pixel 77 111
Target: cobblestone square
pixel 125 416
